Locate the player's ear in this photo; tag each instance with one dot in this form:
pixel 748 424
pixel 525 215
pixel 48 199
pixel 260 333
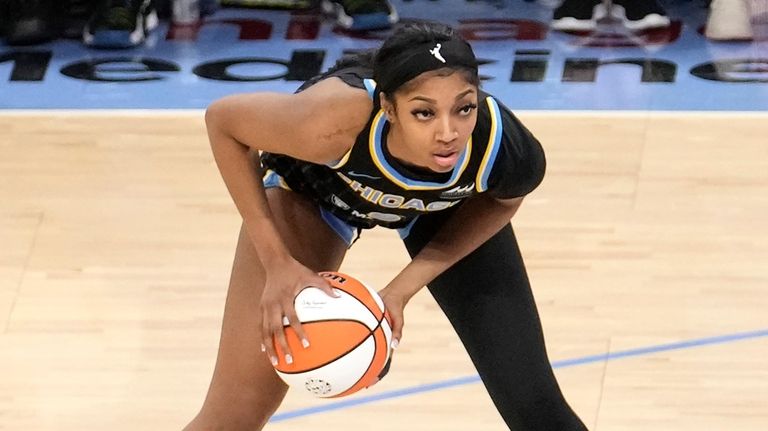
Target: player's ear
pixel 388 106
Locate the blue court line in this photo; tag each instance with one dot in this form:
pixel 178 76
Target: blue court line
pixel 461 381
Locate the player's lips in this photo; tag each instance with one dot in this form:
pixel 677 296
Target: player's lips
pixel 446 159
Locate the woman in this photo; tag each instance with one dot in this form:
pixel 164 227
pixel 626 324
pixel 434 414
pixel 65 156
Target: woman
pixel 419 148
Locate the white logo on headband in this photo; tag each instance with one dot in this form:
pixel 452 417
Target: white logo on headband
pixel 436 52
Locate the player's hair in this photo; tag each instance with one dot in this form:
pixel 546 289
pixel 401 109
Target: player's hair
pixel 409 35
pixel 403 39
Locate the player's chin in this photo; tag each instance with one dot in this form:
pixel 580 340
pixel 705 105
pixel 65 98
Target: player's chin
pixel 441 169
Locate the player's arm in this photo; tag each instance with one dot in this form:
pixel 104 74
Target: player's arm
pixel 318 125
pixel 476 221
pixel 471 225
pixel 314 125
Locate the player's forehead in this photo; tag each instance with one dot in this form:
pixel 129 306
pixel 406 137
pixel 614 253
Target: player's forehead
pixel 441 84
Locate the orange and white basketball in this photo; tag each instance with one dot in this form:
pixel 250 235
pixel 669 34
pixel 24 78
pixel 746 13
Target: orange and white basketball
pixel 349 339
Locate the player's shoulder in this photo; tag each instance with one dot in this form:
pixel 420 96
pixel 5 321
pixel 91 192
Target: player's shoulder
pixel 334 89
pixel 331 103
pixel 491 106
pixel 492 113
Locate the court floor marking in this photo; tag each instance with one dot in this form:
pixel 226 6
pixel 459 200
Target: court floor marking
pixel 565 363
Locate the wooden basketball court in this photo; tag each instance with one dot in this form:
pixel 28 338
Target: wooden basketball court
pixel 116 237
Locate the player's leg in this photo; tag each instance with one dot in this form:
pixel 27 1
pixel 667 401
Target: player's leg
pixel 245 391
pixel 488 299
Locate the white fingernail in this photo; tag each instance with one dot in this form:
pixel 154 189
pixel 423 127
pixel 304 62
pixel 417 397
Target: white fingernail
pixel 305 342
pixel 273 360
pixel 263 348
pixel 288 359
pixel 395 343
pixel 285 321
pixel 336 293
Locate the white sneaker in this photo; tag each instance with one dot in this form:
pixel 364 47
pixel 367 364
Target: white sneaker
pixel 729 20
pixel 639 15
pixel 578 15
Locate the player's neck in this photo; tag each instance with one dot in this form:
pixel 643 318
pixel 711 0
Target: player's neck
pixel 395 146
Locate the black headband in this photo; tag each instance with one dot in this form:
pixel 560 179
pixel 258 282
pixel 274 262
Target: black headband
pixel 421 58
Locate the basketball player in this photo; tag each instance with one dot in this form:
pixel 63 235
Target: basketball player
pixel 403 139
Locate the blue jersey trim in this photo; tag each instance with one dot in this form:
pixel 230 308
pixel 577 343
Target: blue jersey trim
pixel 370 86
pixel 497 127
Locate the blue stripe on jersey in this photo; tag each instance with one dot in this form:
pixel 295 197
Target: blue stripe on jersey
pixel 377 155
pixel 370 85
pixel 494 143
pixel 405 231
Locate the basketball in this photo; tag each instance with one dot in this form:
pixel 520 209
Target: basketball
pixel 349 339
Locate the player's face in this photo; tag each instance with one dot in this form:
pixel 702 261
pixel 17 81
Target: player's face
pixel 433 120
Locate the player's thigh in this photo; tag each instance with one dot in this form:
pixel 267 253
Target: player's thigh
pixel 308 237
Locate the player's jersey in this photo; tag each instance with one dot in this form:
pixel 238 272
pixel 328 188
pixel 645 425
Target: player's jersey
pixel 368 187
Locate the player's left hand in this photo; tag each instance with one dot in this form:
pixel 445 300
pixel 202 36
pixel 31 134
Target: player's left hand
pixel 394 303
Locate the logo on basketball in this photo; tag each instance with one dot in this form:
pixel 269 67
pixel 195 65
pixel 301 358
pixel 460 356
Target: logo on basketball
pixel 317 387
pixel 311 303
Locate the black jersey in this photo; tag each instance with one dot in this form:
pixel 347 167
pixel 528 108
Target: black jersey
pixel 368 187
